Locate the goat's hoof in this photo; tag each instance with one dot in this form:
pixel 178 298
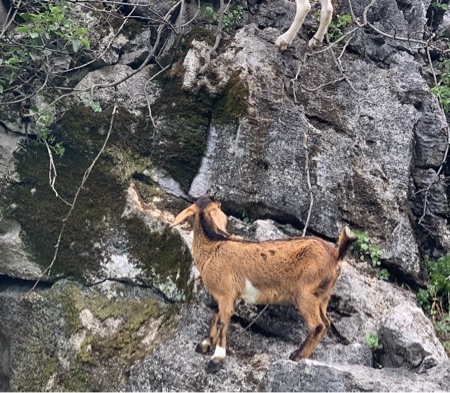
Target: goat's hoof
pixel 202 348
pixel 295 356
pixel 282 44
pixel 314 44
pixel 213 366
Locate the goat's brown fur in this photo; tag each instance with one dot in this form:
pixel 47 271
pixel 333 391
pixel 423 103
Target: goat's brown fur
pixel 302 271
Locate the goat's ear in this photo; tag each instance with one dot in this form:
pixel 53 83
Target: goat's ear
pixel 220 219
pixel 183 215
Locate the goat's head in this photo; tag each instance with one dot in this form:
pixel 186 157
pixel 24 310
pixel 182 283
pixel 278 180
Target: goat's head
pixel 207 213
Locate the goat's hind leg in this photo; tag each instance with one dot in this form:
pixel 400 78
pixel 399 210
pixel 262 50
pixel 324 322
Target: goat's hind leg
pixel 210 340
pixel 284 40
pixel 309 307
pixel 326 13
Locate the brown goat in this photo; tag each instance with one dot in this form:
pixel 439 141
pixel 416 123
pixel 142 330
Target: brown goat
pixel 302 271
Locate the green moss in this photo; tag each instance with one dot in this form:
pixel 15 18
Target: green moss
pixel 85 354
pixel 61 306
pixel 200 34
pixel 100 203
pixel 162 255
pixel 78 379
pixel 70 300
pixel 98 207
pixel 232 104
pixel 182 140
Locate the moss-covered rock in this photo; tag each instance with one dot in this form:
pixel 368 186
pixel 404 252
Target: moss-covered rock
pixel 186 118
pixel 74 338
pixel 96 234
pixel 163 256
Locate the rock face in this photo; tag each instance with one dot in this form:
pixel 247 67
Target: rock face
pixel 404 346
pixel 362 142
pixel 123 308
pixel 67 334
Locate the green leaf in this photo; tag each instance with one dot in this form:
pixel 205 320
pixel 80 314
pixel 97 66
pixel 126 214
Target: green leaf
pixel 23 29
pixel 95 106
pixel 1 89
pixel 76 45
pixel 33 34
pixel 13 61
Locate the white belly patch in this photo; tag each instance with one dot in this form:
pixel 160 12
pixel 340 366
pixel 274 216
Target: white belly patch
pixel 251 294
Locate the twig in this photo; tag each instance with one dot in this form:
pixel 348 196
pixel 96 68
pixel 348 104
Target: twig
pixel 343 78
pixel 254 320
pixel 52 173
pixel 219 28
pixel 146 94
pixel 10 18
pixel 308 179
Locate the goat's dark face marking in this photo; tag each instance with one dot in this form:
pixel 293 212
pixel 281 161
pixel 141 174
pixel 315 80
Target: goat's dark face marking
pixel 212 219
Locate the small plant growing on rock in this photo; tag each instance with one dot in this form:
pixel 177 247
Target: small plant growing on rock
pixel 439 6
pixel 336 29
pixel 230 18
pixel 247 218
pixel 383 274
pixel 363 248
pixel 442 92
pixel 373 342
pixel 435 299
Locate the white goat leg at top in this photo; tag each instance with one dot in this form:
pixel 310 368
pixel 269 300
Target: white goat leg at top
pixel 302 9
pixel 326 14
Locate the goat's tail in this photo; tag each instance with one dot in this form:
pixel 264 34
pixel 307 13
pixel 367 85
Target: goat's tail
pixel 345 240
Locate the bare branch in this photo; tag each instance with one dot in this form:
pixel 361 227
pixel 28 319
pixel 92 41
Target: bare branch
pixel 308 180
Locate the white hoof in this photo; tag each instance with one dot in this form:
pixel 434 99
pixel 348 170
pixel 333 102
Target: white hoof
pixel 314 43
pixel 282 43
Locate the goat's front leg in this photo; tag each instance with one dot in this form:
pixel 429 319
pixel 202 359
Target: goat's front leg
pixel 284 40
pixel 326 13
pixel 210 340
pixel 223 322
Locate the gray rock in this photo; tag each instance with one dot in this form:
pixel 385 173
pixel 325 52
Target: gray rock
pixel 359 140
pixel 15 262
pixel 313 376
pixel 77 338
pixel 8 144
pixel 444 26
pixel 132 92
pixel 406 344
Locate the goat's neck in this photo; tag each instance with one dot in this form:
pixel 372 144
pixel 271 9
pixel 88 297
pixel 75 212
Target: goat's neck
pixel 203 249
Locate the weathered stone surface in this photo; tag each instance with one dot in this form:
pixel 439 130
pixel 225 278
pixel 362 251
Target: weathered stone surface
pixel 119 258
pixel 405 343
pixel 313 376
pixel 14 261
pixel 8 144
pixel 360 143
pixel 76 338
pixel 132 92
pixel 444 27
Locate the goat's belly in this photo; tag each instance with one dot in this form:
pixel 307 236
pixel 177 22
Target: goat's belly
pixel 254 295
